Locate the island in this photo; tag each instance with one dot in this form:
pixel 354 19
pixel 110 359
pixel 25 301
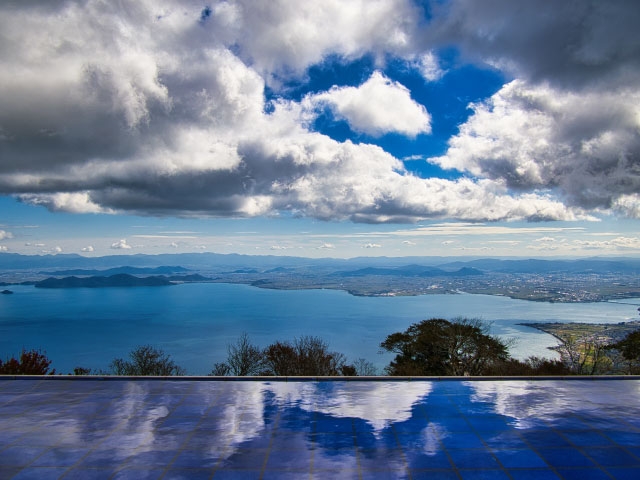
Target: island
pixel 6 292
pixel 119 280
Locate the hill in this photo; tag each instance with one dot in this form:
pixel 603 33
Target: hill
pixel 411 271
pixel 119 280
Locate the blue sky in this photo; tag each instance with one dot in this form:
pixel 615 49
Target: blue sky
pixel 335 128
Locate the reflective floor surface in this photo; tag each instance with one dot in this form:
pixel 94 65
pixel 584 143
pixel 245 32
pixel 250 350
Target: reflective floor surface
pixel 440 429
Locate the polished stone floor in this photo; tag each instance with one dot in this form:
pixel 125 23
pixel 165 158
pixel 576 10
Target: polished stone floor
pixel 382 429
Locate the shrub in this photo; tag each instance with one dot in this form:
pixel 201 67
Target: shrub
pixel 532 366
pixel 31 362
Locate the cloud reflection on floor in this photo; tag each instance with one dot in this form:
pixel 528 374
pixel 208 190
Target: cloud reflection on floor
pixel 315 429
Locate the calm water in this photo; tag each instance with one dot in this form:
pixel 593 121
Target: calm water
pixel 195 322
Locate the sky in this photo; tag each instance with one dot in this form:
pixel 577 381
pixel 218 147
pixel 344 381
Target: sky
pixel 333 128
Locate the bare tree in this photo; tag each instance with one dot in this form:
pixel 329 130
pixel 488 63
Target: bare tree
pixel 244 358
pixel 364 368
pixel 146 360
pixel 306 356
pixel 315 358
pixel 220 369
pixel 281 359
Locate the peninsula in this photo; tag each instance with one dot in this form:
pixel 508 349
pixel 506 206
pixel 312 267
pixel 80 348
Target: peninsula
pixel 605 332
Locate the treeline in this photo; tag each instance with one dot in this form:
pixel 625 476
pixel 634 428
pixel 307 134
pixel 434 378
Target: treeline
pixel 434 347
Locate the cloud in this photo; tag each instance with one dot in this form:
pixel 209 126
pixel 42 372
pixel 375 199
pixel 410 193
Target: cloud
pixel 511 243
pixel 628 205
pixel 4 234
pixel 568 122
pixel 167 236
pixel 586 44
pixel 619 243
pixel 158 110
pixel 279 247
pixel 88 248
pixel 376 107
pixel 409 243
pixel 77 202
pixel 121 245
pixel 428 66
pixel 327 246
pixel 478 229
pixel 284 36
pixel 539 138
pixel 4 248
pixel 372 245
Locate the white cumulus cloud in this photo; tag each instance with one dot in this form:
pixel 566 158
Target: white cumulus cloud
pixel 376 107
pixel 121 245
pixel 535 137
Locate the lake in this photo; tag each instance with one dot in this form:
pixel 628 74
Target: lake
pixel 194 322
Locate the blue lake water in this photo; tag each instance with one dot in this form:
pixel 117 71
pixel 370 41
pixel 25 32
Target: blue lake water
pixel 195 322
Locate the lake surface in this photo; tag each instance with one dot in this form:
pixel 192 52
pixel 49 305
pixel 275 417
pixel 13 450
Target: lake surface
pixel 195 322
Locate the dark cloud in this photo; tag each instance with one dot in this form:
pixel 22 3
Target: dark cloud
pixel 571 44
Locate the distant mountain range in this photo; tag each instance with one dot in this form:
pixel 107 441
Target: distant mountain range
pixel 63 264
pixel 411 271
pixel 119 270
pixel 595 265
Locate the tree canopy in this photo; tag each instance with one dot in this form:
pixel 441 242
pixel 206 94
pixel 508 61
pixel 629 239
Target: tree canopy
pixel 443 347
pixel 629 348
